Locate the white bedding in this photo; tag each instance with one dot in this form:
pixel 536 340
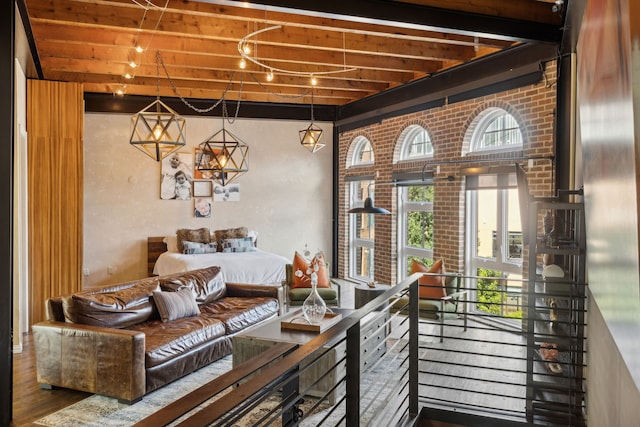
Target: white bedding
pixel 258 267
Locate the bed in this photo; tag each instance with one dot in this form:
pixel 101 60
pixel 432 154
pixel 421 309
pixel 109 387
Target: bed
pixel 256 267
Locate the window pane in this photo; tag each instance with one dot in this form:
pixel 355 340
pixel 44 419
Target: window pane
pixel 364 262
pixel 514 226
pixel 366 153
pixel 419 144
pixel 487 223
pixel 499 293
pixel 420 230
pixel 365 226
pixel 420 194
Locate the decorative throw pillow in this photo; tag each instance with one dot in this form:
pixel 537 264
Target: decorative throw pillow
pixel 244 244
pixel 201 235
pixel 229 233
pixel 176 305
pixel 302 270
pixel 430 286
pixel 193 248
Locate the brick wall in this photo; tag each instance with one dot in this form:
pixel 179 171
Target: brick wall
pixel 533 107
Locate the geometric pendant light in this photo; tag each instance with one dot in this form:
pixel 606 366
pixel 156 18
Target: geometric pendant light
pixel 310 136
pixel 157 130
pixel 224 156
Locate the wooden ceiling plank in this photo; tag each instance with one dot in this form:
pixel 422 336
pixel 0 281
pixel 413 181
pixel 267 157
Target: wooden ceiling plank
pixel 310 54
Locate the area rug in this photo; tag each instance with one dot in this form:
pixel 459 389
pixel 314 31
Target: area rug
pixel 101 411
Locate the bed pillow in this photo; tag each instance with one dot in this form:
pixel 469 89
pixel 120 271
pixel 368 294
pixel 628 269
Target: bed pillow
pixel 176 305
pixel 302 271
pixel 172 243
pixel 229 233
pixel 432 287
pixel 193 248
pixel 200 235
pixel 244 244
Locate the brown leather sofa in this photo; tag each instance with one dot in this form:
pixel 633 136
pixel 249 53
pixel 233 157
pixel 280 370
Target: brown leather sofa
pixel 112 341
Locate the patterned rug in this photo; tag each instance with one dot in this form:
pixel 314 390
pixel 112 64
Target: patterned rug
pixel 101 411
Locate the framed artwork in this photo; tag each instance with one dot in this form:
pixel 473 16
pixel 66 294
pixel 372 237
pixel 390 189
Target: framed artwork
pixel 202 189
pixel 226 193
pixel 202 208
pixel 176 176
pixel 200 174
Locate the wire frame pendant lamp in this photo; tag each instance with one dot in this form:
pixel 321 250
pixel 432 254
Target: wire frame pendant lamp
pixel 311 135
pixel 223 156
pixel 157 130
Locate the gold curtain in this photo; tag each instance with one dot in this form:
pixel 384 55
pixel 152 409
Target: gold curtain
pixel 55 125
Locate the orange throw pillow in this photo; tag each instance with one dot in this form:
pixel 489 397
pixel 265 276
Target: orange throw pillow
pixel 435 290
pixel 305 268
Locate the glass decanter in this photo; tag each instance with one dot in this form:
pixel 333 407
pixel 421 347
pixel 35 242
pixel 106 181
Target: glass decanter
pixel 314 307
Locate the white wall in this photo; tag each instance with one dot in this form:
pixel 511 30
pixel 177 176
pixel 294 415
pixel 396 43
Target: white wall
pixel 286 196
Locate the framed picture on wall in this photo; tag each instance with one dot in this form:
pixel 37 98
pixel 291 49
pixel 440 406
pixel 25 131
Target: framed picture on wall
pixel 226 193
pixel 202 208
pixel 176 176
pixel 202 189
pixel 200 174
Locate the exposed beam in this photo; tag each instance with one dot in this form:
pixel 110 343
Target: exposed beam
pixel 415 16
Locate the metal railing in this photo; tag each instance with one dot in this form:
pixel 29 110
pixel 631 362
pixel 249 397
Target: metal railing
pixel 381 364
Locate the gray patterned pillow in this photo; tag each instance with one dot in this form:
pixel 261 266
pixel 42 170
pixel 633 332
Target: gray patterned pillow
pixel 230 233
pixel 244 244
pixel 192 248
pixel 176 305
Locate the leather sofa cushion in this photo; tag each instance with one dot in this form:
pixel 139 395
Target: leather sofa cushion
pixel 205 283
pixel 240 313
pixel 167 340
pixel 118 306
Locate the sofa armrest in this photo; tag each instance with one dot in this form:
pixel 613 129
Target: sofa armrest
pixel 105 361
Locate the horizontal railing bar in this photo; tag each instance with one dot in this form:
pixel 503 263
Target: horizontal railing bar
pixel 284 366
pixel 468 365
pixel 465 377
pixel 181 406
pixel 483 393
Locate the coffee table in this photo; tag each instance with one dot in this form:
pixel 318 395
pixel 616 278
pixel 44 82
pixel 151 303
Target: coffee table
pixel 256 340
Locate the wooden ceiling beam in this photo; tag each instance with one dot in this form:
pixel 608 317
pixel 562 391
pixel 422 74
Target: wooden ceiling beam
pixel 199 61
pixel 195 93
pixel 187 78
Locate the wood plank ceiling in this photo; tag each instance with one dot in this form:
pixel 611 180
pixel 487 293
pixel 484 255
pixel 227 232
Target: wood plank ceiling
pixel 368 46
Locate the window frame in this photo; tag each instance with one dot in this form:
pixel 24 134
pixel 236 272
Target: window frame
pixel 404 250
pixel 484 121
pixel 359 145
pixel 409 137
pixel 501 262
pixel 357 243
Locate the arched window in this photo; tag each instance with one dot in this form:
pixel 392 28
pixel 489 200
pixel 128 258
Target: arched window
pixel 495 130
pixel 416 143
pixel 361 152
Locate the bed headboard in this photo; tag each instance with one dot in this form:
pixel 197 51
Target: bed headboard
pixel 155 246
